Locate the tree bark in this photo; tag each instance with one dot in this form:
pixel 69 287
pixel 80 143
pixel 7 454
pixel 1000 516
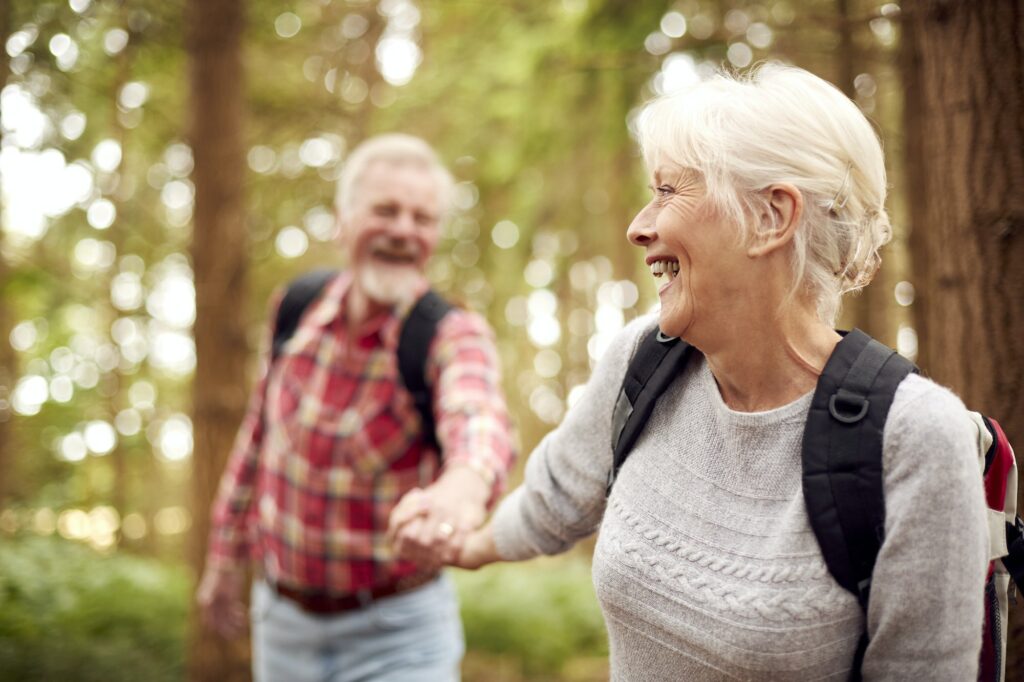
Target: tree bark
pixel 964 78
pixel 219 260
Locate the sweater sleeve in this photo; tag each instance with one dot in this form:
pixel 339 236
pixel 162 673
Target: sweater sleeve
pixel 562 497
pixel 926 609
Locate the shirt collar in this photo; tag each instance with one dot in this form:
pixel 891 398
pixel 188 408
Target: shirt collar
pixel 330 308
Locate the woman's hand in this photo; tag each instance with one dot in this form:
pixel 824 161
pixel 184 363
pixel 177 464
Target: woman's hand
pixel 478 550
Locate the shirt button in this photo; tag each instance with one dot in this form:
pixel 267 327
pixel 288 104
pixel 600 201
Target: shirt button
pixel 350 422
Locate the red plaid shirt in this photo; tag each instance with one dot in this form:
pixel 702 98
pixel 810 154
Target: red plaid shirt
pixel 331 442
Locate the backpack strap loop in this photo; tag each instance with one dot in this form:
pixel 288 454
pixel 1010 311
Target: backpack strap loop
pixel 854 407
pixel 662 338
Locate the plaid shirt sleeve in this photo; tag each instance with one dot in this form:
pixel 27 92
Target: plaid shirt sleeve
pixel 473 425
pixel 231 512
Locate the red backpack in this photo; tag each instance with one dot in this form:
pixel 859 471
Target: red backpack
pixel 1006 554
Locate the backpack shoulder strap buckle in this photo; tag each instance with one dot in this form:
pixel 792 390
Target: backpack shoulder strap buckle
pixel 848 407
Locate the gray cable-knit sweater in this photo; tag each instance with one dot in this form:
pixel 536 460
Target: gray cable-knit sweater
pixel 706 566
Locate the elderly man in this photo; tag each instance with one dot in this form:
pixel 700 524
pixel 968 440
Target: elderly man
pixel 333 440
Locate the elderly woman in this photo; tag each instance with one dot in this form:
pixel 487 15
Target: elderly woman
pixel 767 206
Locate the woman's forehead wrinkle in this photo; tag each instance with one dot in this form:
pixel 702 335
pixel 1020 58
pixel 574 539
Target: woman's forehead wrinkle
pixel 675 174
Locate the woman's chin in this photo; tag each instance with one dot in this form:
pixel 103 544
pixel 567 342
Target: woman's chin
pixel 672 322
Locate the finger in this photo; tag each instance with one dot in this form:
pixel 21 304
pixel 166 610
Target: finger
pixel 453 548
pixel 413 504
pixel 429 547
pixel 405 543
pixel 426 532
pixel 237 620
pixel 398 522
pixel 447 542
pixel 217 618
pixel 402 510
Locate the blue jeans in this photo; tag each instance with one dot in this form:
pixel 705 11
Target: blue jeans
pixel 415 636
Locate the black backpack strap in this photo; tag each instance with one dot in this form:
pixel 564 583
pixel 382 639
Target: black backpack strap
pixel 418 331
pixel 842 456
pixel 1014 561
pixel 297 297
pixel 658 360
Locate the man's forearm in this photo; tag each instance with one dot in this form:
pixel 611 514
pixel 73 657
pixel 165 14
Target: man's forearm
pixel 463 482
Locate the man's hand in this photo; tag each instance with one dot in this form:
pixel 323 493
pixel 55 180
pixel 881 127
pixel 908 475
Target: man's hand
pixel 220 599
pixel 430 525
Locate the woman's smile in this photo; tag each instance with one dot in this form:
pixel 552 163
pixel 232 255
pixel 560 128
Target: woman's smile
pixel 665 267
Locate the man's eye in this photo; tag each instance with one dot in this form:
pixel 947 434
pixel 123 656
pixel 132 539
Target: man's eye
pixel 664 190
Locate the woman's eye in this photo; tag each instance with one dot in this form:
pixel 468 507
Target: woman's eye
pixel 664 190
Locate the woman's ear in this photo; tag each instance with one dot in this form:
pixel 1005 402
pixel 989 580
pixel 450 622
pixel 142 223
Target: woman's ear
pixel 779 220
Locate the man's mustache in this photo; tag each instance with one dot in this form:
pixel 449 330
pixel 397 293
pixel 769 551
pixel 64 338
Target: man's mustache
pixel 395 248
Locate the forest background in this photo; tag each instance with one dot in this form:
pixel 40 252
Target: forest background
pixel 165 165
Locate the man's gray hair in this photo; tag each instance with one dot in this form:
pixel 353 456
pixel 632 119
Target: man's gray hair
pixel 398 149
pixel 780 124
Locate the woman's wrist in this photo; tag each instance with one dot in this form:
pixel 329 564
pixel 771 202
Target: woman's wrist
pixel 479 549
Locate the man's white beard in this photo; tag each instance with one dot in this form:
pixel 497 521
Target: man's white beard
pixel 389 284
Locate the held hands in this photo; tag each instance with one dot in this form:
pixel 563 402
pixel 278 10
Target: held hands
pixel 219 596
pixel 432 526
pixel 478 550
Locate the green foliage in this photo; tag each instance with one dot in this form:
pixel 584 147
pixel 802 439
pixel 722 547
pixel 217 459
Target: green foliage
pixel 68 614
pixel 544 614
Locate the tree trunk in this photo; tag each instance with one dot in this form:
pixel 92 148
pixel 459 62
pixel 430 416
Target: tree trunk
pixel 219 259
pixel 964 71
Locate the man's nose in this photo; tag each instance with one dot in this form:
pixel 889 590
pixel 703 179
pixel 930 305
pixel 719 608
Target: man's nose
pixel 403 225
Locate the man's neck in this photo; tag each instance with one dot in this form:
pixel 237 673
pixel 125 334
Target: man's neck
pixel 360 308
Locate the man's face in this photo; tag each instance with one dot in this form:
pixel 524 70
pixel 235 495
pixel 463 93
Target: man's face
pixel 392 230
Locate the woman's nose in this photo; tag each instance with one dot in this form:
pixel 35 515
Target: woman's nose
pixel 641 230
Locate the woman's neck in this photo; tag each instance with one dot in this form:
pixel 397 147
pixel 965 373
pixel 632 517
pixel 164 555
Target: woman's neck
pixel 764 363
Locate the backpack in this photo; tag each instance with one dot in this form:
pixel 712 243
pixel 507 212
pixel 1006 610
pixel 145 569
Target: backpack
pixel 842 469
pixel 418 330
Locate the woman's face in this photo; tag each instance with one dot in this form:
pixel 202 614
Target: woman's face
pixel 698 258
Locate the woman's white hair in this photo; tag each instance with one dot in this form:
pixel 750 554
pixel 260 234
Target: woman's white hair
pixel 780 124
pixel 393 148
